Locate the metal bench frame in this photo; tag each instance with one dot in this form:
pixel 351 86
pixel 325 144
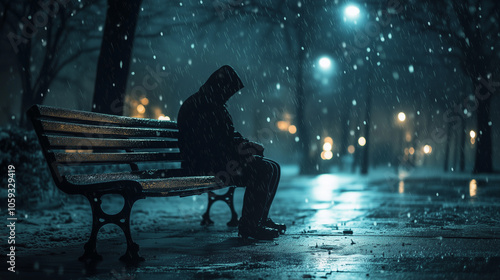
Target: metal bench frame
pixel 79 138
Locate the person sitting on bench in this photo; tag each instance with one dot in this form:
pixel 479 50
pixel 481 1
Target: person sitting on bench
pixel 209 145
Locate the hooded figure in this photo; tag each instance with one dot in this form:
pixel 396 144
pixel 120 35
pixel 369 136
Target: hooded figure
pixel 210 145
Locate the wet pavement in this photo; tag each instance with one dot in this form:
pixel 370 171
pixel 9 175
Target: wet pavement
pixel 339 227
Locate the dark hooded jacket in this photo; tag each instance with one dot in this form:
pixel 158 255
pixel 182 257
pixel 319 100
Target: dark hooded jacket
pixel 207 138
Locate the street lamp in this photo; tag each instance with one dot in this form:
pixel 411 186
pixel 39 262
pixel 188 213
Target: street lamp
pixel 362 141
pixel 401 116
pixel 427 149
pixel 325 66
pixel 473 135
pixel 352 12
pixel 325 63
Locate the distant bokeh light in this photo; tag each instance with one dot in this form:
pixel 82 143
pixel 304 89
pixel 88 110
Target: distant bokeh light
pixel 351 149
pixel 362 141
pixel 427 149
pixel 401 117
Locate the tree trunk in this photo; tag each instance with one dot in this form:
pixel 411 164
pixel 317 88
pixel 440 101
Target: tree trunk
pixel 357 152
pixel 484 161
pixel 366 149
pixel 114 59
pixel 307 164
pixel 344 131
pixel 446 166
pixel 463 133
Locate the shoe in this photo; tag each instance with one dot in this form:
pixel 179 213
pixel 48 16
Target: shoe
pixel 257 232
pixel 281 228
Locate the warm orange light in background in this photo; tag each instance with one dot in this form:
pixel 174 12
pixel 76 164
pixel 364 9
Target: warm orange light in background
pixel 144 101
pixel 362 141
pixel 327 149
pixel 427 149
pixel 473 188
pixel 79 151
pixel 411 150
pixel 283 125
pixel 292 129
pixel 141 109
pixel 473 135
pixel 408 137
pixel 401 188
pixel 401 117
pixel 326 155
pixel 351 149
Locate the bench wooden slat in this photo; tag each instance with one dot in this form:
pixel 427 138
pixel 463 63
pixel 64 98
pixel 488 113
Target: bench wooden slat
pixel 79 129
pixel 77 158
pixel 61 113
pixel 85 179
pixel 179 185
pixel 72 142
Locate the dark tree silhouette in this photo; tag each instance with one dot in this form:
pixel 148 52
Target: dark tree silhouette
pixel 470 30
pixel 44 37
pixel 114 59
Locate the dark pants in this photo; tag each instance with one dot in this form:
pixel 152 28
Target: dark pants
pixel 261 177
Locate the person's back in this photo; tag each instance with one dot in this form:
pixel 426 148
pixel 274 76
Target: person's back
pixel 206 132
pixel 209 145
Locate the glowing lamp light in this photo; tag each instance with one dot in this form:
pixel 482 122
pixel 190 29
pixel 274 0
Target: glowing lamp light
pixel 401 117
pixel 164 118
pixel 327 147
pixel 283 125
pixel 362 141
pixel 472 134
pixel 292 129
pixel 141 109
pixel 473 188
pixel 144 101
pixel 352 12
pixel 326 155
pixel 427 149
pixel 325 63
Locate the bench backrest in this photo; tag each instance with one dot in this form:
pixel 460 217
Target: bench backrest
pixel 80 138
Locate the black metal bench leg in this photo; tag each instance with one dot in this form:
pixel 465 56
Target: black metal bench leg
pixel 206 221
pixel 228 197
pixel 132 253
pixel 90 253
pixel 122 219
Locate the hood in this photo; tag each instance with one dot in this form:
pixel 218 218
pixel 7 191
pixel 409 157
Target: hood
pixel 221 85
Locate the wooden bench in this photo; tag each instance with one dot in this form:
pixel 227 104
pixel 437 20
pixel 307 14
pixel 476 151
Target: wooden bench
pixel 74 142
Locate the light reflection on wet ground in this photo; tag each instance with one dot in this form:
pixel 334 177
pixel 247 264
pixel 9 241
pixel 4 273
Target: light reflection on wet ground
pixel 338 227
